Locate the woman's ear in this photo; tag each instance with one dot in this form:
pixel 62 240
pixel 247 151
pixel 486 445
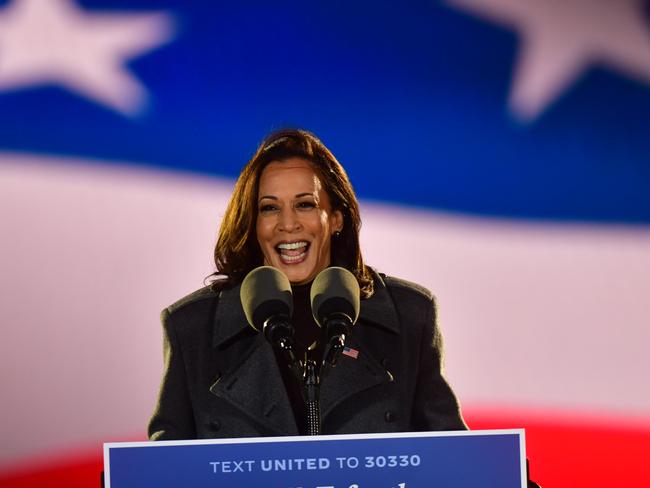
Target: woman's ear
pixel 336 221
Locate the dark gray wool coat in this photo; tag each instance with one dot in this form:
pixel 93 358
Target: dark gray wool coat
pixel 221 378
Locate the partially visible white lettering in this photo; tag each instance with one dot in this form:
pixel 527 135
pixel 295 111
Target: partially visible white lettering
pixel 295 464
pixel 233 466
pixel 391 461
pixel 348 462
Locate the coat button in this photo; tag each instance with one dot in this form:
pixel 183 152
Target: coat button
pixel 389 416
pixel 215 424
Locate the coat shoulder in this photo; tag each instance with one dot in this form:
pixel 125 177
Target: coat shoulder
pixel 201 295
pixel 403 286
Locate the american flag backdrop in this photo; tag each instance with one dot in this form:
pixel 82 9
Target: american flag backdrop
pixel 500 150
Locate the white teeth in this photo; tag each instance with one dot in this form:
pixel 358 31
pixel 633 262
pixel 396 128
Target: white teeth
pixel 292 245
pixel 291 259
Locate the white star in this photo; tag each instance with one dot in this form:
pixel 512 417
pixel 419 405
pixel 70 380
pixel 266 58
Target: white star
pixel 560 39
pixel 55 42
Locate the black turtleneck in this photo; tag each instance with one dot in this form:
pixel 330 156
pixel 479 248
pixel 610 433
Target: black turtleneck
pixel 309 345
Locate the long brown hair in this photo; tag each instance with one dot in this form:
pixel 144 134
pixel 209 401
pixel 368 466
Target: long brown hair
pixel 237 251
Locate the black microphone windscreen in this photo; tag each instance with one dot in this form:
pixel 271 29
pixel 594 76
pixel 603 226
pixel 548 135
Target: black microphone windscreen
pixel 335 290
pixel 265 292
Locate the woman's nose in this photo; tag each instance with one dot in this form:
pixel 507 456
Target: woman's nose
pixel 289 221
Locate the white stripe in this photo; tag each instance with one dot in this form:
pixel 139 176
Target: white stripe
pixel 542 315
pixel 90 255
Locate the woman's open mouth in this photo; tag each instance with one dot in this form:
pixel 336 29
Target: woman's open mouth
pixel 292 252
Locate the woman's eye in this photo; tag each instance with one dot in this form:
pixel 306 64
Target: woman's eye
pixel 268 208
pixel 306 205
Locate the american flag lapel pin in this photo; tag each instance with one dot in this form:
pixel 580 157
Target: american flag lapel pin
pixel 353 353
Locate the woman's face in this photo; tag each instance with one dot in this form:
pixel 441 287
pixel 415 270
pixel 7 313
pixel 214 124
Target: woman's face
pixel 295 221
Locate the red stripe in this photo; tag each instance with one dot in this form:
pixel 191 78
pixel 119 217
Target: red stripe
pixel 77 472
pixel 571 452
pixel 563 452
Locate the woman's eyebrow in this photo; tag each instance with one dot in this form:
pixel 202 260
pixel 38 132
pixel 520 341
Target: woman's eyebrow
pixel 298 195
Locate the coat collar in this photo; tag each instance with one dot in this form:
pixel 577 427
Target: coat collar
pixel 230 319
pixel 379 308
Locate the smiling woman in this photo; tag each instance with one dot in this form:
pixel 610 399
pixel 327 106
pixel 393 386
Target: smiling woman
pixel 295 220
pixel 293 208
pixel 291 180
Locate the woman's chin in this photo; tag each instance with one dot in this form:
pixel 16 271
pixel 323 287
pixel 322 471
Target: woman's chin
pixel 298 274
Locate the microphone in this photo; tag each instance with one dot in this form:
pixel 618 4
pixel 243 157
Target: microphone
pixel 335 304
pixel 267 301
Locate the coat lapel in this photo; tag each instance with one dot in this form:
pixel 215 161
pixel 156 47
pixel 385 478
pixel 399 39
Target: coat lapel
pixel 352 376
pixel 254 385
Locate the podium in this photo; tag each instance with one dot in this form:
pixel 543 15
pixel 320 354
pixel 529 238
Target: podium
pixel 459 459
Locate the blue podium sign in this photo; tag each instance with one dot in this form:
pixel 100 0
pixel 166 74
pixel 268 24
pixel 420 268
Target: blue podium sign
pixel 405 460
